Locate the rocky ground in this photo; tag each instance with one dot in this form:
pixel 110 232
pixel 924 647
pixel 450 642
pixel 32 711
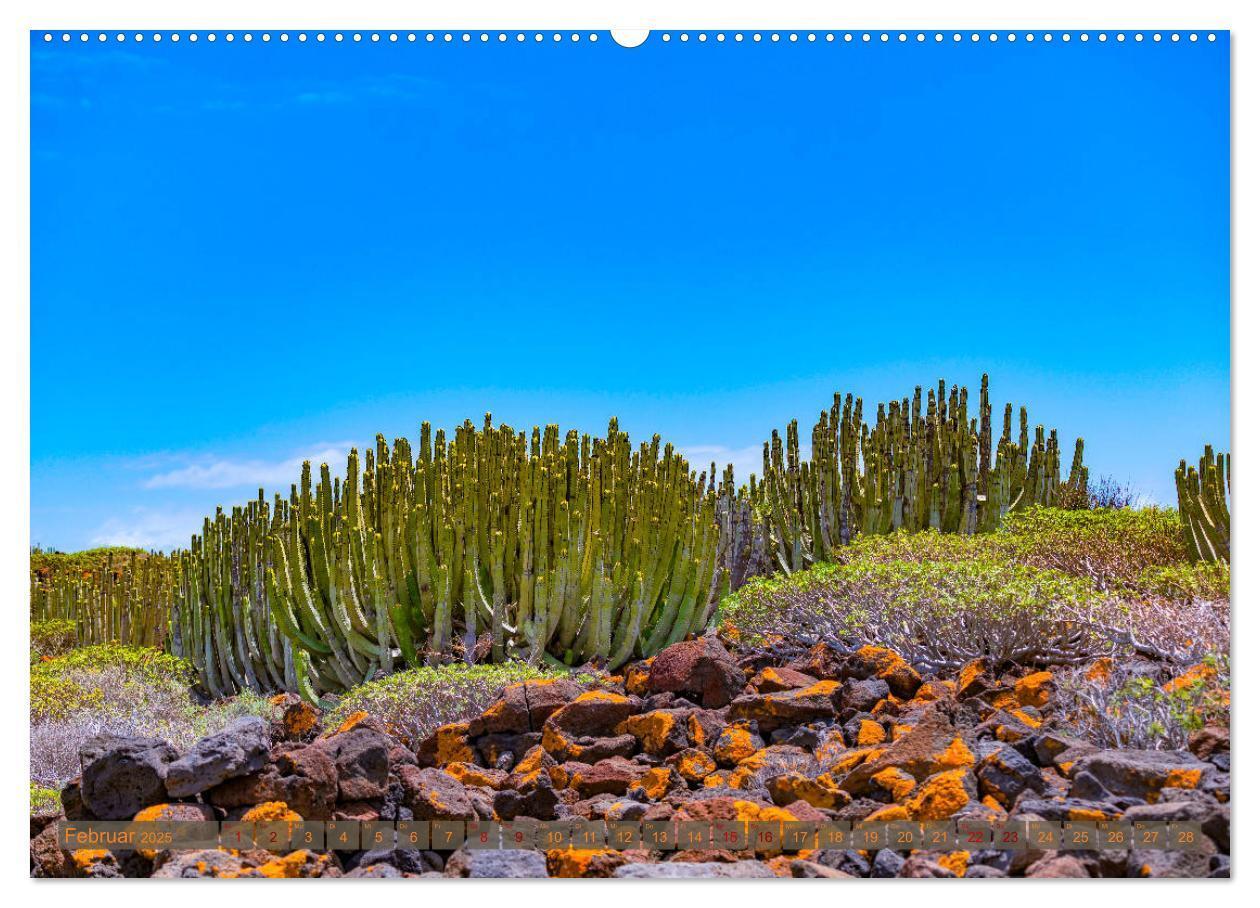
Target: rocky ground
pixel 696 734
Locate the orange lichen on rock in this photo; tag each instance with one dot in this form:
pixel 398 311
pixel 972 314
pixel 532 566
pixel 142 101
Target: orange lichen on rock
pixel 602 695
pixel 351 721
pixel 957 755
pixel 695 731
pixel 902 679
pixel 84 858
pixel 896 782
pixel 637 678
pixel 931 691
pixel 557 743
pixel 825 688
pixel 1100 670
pixel 271 812
pixel 300 719
pixel 288 867
pixel 1183 777
pixel 970 677
pixel 1034 689
pixel 955 862
pixel 716 779
pixel 734 745
pixel 1030 721
pixel 152 813
pixel 752 812
pixel 890 814
pixel 652 729
pixel 1091 814
pixel 534 760
pixel 452 744
pixel 655 782
pixel 850 760
pixel 870 733
pixel 818 792
pixel 1193 675
pixel 694 764
pixel 471 774
pixel 889 705
pixel 940 797
pixel 575 863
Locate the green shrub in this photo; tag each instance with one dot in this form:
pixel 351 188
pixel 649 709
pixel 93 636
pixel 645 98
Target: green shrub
pixel 415 702
pixel 1201 580
pixel 77 562
pixel 1110 546
pixel 51 638
pixel 1144 705
pixel 87 678
pixel 121 690
pixel 44 800
pixel 938 614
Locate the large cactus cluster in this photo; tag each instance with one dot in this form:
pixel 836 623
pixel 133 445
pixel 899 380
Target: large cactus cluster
pixel 527 546
pixel 912 470
pixel 497 544
pixel 1203 500
pixel 117 598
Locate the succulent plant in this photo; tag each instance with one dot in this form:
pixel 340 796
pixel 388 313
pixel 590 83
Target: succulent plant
pixel 1203 501
pixel 912 470
pixel 497 545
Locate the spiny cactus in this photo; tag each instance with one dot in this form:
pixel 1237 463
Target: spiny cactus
pixel 912 470
pixel 497 545
pixel 1203 500
pixel 117 598
pixel 586 549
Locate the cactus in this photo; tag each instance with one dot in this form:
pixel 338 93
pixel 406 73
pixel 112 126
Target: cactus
pixel 912 470
pixel 533 547
pixel 1202 499
pixel 499 545
pixel 115 598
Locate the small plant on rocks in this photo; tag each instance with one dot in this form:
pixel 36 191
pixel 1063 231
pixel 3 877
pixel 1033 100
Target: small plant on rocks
pixel 413 703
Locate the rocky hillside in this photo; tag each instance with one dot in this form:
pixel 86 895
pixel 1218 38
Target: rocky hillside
pixel 696 734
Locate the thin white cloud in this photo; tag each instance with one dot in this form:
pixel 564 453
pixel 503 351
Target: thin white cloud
pixel 212 472
pixel 150 528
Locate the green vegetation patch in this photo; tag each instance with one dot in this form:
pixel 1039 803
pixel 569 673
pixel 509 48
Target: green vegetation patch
pixel 1146 706
pixel 416 701
pixel 1111 547
pixel 98 677
pixel 44 800
pixel 939 614
pixel 1187 582
pixel 50 639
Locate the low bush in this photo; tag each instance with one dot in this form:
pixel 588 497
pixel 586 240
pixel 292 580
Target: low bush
pixel 95 676
pixel 44 799
pixel 941 613
pixel 1185 582
pixel 122 690
pixel 416 701
pixel 51 638
pixel 1143 704
pixel 1109 547
pixel 938 614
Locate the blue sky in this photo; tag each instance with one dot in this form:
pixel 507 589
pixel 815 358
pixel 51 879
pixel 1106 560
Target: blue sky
pixel 247 254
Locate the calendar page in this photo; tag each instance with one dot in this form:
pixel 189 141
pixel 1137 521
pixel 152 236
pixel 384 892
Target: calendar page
pixel 710 453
